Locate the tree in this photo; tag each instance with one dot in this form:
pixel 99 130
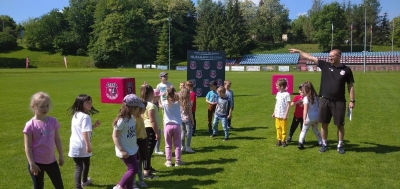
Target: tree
pixel 249 10
pixel 41 32
pixel 204 33
pixel 271 22
pixel 162 47
pixel 236 35
pixel 331 15
pixel 297 25
pixel 348 9
pixel 81 18
pixel 316 7
pixel 396 34
pixel 121 33
pixel 382 31
pixel 7 41
pixel 8 22
pixel 218 31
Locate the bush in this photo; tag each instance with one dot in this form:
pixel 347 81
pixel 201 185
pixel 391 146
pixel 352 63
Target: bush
pixel 81 52
pixel 7 42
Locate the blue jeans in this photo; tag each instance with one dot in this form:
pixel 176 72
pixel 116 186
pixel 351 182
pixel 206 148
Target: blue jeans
pixel 224 122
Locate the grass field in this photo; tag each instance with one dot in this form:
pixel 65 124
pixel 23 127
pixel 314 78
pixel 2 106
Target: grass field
pixel 249 160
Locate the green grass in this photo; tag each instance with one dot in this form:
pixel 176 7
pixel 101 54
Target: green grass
pixel 249 160
pixel 16 59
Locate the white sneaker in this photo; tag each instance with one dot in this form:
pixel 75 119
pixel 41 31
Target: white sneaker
pixel 179 163
pixel 183 148
pixel 168 163
pixel 159 153
pixel 118 187
pixel 189 150
pixel 89 181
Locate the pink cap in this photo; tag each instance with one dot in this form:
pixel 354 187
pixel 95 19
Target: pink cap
pixel 156 92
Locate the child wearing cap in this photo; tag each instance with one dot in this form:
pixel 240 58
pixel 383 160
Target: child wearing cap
pixel 298 114
pixel 211 99
pixel 162 86
pixel 124 137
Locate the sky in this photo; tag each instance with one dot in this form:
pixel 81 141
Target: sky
pixel 21 10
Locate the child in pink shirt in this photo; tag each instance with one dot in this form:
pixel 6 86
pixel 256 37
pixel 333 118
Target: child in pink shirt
pixel 41 135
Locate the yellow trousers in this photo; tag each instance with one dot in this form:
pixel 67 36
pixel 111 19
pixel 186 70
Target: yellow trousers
pixel 281 127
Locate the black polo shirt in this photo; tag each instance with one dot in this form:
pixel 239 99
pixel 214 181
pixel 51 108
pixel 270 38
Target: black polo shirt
pixel 333 80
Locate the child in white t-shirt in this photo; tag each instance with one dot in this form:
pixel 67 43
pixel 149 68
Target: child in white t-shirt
pixel 310 113
pixel 163 85
pixel 172 129
pixel 124 137
pixel 281 112
pixel 80 147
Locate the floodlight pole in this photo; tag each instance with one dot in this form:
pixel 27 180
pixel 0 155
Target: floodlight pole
pixel 365 35
pixel 169 42
pixel 392 35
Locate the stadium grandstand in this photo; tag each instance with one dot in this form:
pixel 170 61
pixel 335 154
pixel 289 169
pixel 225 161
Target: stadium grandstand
pixel 348 58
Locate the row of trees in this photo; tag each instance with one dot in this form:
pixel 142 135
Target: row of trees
pixel 347 19
pixel 118 32
pixel 9 33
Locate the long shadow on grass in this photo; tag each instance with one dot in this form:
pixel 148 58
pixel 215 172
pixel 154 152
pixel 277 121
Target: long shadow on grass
pixel 215 148
pixel 377 148
pixel 246 138
pixel 242 129
pixel 213 161
pixel 236 96
pixel 187 184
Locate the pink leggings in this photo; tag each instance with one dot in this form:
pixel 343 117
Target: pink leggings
pixel 172 132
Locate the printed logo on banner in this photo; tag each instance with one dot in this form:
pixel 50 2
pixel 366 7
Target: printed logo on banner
pixel 206 65
pixel 213 74
pixel 205 82
pixel 112 92
pixel 220 65
pixel 199 92
pixel 192 65
pixel 219 82
pixel 199 74
pixel 194 82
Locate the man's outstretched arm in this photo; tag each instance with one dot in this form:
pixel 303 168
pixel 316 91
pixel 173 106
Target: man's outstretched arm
pixel 305 55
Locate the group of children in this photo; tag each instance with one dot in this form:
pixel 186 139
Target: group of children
pixel 305 114
pixel 136 131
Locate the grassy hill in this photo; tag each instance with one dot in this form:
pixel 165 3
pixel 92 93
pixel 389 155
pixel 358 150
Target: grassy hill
pixel 16 58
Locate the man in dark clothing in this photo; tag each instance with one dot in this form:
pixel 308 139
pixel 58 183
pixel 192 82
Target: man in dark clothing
pixel 334 77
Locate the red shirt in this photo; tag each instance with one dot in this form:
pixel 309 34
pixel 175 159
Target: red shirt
pixel 193 99
pixel 298 112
